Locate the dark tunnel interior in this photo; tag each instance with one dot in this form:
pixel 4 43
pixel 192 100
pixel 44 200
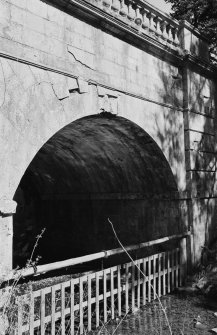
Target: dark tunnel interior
pixel 95 168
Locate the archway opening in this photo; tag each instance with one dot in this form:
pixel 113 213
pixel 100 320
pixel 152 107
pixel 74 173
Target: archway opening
pixel 96 167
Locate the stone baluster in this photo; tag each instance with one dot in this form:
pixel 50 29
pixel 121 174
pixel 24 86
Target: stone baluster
pixel 115 6
pixel 158 31
pixel 164 30
pixel 131 12
pixel 106 4
pixel 123 9
pixel 145 19
pixel 176 39
pixel 151 17
pixel 138 18
pixel 169 34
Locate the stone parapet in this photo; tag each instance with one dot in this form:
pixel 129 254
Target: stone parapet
pixel 143 17
pixel 193 42
pixel 148 22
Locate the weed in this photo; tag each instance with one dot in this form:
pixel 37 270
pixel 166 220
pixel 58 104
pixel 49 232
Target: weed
pixel 10 293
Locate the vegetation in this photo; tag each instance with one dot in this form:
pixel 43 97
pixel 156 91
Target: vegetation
pixel 11 291
pixel 202 14
pixel 18 298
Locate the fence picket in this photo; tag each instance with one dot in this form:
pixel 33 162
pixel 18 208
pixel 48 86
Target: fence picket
pixel 164 273
pixel 168 272
pixel 154 277
pixel 112 294
pixel 97 299
pixel 89 302
pixel 144 282
pixel 31 315
pixel 53 309
pixel 183 260
pixel 133 288
pixel 119 290
pixel 104 296
pixel 149 279
pixel 72 307
pixel 176 267
pixel 138 284
pixel 172 270
pixel 63 309
pixel 42 312
pixel 127 288
pixel 81 324
pixel 159 275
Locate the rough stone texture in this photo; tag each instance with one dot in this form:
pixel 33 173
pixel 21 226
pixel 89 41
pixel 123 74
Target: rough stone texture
pixel 33 109
pixel 6 235
pixel 58 69
pixel 200 125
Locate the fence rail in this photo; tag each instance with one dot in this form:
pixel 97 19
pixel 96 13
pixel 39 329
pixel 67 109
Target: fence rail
pixel 88 258
pixel 90 301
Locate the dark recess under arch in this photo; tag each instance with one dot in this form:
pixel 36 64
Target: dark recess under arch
pixel 96 167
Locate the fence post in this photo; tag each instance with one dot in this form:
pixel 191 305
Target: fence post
pixel 190 252
pixel 183 260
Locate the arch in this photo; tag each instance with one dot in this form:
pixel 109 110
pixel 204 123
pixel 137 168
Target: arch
pixel 96 167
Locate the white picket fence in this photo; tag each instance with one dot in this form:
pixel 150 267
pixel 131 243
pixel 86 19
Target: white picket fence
pixel 86 303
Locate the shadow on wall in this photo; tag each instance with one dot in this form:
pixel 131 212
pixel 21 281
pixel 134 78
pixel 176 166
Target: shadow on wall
pixel 200 158
pixel 96 167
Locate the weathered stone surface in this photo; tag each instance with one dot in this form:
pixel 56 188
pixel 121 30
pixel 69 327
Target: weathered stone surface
pixel 58 68
pixel 6 235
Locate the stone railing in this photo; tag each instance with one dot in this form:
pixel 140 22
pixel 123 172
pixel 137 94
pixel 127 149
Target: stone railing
pixel 143 17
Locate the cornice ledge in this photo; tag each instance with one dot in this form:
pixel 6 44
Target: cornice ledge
pixel 86 9
pixel 201 63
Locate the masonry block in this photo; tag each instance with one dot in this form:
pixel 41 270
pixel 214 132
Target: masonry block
pixel 200 161
pixel 58 62
pixel 199 141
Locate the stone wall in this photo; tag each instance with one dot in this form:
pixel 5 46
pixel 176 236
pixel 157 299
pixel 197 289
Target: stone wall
pixel 57 66
pixel 200 139
pixel 36 103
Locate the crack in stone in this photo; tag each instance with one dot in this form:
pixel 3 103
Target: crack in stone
pixel 80 62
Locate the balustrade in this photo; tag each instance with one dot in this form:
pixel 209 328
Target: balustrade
pixel 131 12
pixel 145 17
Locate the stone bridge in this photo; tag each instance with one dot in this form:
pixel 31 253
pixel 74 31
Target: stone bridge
pixel 107 109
